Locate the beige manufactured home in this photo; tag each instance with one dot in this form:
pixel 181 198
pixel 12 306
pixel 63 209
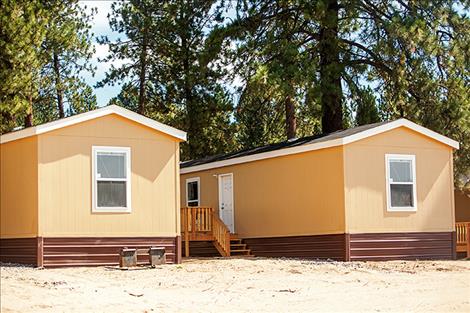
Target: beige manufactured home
pixel 379 191
pixel 77 190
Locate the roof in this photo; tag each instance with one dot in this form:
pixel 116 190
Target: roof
pixel 310 143
pixel 79 118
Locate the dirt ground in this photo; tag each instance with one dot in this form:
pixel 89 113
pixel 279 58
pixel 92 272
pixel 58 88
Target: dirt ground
pixel 248 285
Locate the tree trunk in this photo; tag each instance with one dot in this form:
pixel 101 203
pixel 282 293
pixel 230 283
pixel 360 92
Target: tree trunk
pixel 142 76
pixel 28 119
pixel 291 121
pixel 330 70
pixel 58 85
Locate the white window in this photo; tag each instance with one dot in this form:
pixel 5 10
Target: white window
pixel 192 191
pixel 111 179
pixel 401 182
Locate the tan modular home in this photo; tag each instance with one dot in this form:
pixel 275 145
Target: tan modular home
pixel 374 192
pixel 77 190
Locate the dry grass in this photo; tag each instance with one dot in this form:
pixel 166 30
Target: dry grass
pixel 249 285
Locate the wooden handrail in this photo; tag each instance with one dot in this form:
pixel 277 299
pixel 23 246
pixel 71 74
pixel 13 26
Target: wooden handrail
pixel 221 235
pixel 463 237
pixel 203 220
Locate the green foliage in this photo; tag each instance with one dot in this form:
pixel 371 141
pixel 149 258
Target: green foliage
pixel 365 105
pixel 392 58
pixel 22 30
pixel 305 67
pixel 66 51
pixel 44 47
pixel 166 72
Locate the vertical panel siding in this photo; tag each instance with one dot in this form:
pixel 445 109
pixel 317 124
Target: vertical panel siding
pixel 19 188
pixel 300 194
pixel 462 206
pixel 365 184
pixel 65 157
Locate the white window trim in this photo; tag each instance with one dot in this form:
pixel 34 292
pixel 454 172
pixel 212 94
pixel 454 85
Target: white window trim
pixel 192 180
pixel 412 158
pixel 95 208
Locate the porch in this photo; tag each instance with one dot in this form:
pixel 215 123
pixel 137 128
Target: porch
pixel 201 225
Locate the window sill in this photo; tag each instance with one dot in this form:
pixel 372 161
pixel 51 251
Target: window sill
pixel 111 210
pixel 401 209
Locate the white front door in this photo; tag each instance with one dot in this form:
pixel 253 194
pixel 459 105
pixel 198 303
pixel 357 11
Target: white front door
pixel 226 200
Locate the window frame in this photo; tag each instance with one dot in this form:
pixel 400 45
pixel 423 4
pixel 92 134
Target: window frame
pixel 192 180
pixel 400 157
pixel 95 179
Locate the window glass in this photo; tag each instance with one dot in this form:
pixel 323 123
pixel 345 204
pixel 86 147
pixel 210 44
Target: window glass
pixel 111 165
pixel 401 195
pixel 193 191
pixel 400 171
pixel 112 185
pixel 111 194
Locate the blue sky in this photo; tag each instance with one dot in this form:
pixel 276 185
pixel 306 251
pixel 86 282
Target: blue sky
pixel 101 27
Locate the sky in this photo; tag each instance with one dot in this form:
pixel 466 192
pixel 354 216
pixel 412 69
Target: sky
pixel 100 27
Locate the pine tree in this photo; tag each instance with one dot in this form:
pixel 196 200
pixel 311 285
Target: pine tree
pixel 414 55
pixel 67 50
pixel 44 47
pixel 22 30
pixel 167 73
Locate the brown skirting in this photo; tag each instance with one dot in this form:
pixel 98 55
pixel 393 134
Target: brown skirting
pixel 19 250
pixel 94 251
pixel 81 251
pixel 402 246
pixel 310 247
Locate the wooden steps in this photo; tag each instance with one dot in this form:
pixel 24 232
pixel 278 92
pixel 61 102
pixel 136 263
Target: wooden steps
pixel 237 247
pixel 202 229
pixel 207 249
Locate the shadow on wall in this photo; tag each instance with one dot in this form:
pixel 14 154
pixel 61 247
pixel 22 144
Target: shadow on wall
pixel 148 158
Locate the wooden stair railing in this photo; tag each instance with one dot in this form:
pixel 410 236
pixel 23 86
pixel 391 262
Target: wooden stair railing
pixel 202 223
pixel 463 237
pixel 221 235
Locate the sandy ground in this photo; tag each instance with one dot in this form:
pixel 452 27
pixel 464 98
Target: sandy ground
pixel 248 285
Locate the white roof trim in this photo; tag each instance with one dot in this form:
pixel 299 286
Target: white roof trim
pixel 79 118
pixel 325 144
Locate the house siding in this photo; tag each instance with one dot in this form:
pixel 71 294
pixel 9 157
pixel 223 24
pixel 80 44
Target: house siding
pixel 65 173
pixel 462 207
pixel 365 184
pixel 294 195
pixel 19 189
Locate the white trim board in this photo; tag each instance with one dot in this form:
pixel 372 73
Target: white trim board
pixel 94 165
pixel 79 118
pixel 389 182
pixel 326 144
